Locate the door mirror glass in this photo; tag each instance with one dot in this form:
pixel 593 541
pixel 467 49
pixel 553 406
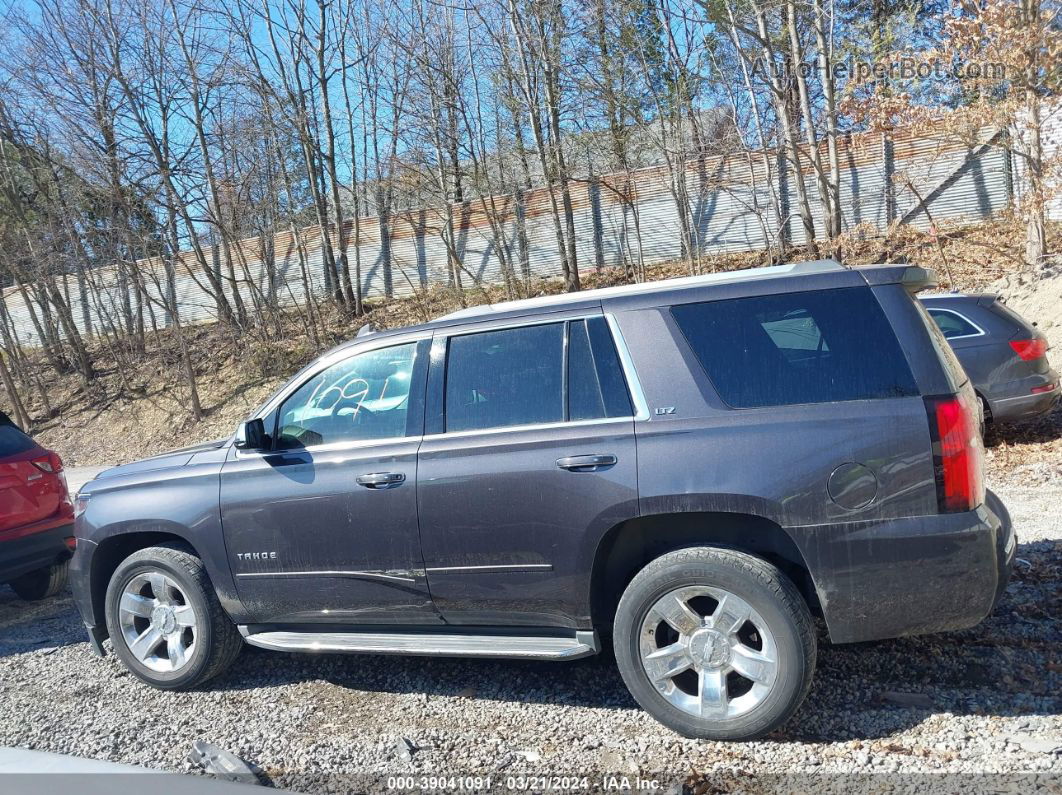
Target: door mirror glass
pixel 251 435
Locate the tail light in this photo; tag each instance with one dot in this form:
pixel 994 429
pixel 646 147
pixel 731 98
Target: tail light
pixel 1028 350
pixel 958 452
pixel 50 463
pixel 53 465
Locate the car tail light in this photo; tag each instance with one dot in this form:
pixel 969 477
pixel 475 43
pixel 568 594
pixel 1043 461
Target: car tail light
pixel 1028 350
pixel 50 463
pixel 958 453
pixel 1039 390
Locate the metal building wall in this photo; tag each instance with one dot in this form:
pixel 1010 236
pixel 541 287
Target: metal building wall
pixel 618 218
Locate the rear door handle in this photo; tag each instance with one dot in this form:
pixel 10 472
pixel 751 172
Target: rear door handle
pixel 381 480
pixel 586 463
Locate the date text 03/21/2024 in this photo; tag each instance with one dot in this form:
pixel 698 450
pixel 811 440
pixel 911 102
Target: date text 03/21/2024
pixel 529 783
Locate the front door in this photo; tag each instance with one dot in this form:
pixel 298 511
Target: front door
pixel 323 525
pixel 532 459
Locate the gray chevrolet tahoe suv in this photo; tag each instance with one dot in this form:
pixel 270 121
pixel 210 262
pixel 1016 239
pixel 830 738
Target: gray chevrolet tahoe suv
pixel 694 468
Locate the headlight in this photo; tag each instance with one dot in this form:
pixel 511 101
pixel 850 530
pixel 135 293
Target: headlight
pixel 80 504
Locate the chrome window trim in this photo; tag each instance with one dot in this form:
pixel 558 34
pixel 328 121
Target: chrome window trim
pixel 535 426
pixel 538 320
pixel 501 567
pixel 358 575
pixel 641 406
pixel 980 331
pixel 342 355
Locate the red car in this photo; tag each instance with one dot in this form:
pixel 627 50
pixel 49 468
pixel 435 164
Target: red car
pixel 36 516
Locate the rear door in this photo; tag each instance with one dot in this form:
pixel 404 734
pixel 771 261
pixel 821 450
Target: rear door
pixel 530 451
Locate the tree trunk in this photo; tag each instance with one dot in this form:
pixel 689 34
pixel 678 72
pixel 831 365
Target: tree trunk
pixel 21 415
pixel 811 138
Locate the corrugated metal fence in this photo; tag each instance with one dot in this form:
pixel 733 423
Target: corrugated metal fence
pixel 619 218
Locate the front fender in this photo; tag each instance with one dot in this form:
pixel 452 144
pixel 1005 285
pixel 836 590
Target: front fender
pixel 128 512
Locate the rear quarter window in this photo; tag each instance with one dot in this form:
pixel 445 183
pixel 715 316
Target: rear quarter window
pixel 953 325
pixel 13 441
pixel 810 347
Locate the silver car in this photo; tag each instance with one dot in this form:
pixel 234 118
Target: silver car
pixel 1004 354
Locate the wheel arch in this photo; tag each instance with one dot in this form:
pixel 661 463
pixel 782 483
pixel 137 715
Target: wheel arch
pixel 112 549
pixel 629 545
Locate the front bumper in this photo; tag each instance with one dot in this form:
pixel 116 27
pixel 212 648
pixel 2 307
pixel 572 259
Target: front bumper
pixel 35 547
pixel 910 576
pixel 81 590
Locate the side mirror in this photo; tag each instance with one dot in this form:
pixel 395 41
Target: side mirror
pixel 251 435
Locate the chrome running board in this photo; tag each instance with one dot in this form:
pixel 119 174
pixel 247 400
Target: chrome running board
pixel 583 644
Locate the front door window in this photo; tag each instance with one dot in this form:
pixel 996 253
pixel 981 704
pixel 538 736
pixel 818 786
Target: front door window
pixel 361 398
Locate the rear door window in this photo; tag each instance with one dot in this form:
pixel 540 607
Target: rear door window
pixel 508 377
pixel 809 347
pixel 596 386
pixel 529 376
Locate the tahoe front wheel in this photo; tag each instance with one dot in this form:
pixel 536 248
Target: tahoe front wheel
pixel 165 621
pixel 715 644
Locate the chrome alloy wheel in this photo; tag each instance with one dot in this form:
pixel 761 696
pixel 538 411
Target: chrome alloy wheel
pixel 708 652
pixel 158 624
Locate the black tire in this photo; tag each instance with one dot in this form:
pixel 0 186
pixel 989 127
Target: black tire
pixel 763 587
pixel 42 583
pixel 217 642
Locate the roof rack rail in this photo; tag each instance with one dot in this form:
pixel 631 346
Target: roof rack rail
pixel 721 277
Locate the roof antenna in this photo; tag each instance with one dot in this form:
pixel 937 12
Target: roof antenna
pixel 365 331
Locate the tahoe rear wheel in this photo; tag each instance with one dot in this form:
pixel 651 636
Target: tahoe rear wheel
pixel 715 643
pixel 165 620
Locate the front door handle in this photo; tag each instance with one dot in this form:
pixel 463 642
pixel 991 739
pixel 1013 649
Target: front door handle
pixel 381 480
pixel 586 463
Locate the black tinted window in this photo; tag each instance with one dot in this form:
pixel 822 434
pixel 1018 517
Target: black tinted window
pixel 810 347
pixel 951 324
pixel 596 386
pixel 509 377
pixel 13 441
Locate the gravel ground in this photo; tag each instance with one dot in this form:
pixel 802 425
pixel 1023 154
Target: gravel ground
pixel 982 701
